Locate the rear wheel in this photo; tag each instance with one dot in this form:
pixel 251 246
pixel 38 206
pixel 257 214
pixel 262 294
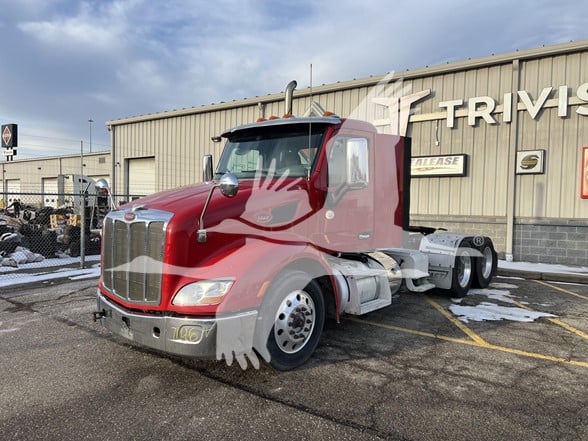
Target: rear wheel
pixel 297 308
pixel 463 272
pixel 485 265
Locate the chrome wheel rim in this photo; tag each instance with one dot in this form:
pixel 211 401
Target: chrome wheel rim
pixel 487 262
pixel 465 270
pixel 294 322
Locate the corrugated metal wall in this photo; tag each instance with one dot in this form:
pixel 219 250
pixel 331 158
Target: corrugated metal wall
pixel 554 194
pixel 31 172
pixel 179 139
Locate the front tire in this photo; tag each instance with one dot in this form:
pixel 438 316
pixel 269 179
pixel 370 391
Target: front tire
pixel 297 311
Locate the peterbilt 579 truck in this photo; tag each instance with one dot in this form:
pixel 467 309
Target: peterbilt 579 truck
pixel 305 218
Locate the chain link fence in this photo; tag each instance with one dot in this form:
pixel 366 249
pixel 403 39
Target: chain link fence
pixel 50 235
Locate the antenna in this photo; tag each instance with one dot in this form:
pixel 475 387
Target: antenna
pixel 310 128
pixel 311 83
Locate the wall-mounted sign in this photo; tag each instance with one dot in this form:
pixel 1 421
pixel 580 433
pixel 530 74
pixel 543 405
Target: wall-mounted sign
pixel 484 107
pixel 440 165
pixel 584 174
pixel 530 162
pixel 9 135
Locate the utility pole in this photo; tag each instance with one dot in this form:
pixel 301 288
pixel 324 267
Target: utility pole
pixel 82 209
pixel 90 121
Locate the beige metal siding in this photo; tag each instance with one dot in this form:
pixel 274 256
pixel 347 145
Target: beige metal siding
pixel 483 191
pixel 554 194
pixel 32 172
pixel 179 139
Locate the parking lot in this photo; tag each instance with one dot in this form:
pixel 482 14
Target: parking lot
pixel 426 368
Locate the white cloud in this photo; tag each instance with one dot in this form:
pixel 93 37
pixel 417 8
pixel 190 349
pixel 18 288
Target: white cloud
pixel 92 27
pixel 112 59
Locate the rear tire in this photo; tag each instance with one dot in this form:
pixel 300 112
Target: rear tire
pixel 297 311
pixel 463 272
pixel 485 265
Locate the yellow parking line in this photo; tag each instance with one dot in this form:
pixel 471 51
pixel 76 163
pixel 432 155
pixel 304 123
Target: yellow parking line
pixel 539 356
pixel 472 343
pixel 471 334
pixel 567 291
pixel 411 331
pixel 557 322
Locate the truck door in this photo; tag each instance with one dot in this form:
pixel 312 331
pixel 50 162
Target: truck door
pixel 348 214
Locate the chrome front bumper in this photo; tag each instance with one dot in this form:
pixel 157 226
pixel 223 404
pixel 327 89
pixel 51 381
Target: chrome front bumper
pixel 184 336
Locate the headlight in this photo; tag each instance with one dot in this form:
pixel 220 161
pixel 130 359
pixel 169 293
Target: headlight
pixel 206 292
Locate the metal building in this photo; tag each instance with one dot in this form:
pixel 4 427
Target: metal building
pixel 498 144
pixel 35 181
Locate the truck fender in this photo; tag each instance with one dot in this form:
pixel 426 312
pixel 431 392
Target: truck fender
pixel 444 249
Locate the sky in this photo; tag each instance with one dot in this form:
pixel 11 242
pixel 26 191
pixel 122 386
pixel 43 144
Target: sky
pixel 65 62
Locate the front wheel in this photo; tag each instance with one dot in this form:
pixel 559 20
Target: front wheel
pixel 297 308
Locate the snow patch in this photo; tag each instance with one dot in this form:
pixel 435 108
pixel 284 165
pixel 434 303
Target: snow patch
pixel 494 294
pixel 51 262
pixel 487 311
pixel 44 277
pixel 499 285
pixel 543 267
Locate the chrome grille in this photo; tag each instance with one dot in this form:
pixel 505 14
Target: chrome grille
pixel 132 254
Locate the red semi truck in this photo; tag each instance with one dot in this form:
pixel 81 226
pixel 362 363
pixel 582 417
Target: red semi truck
pixel 305 218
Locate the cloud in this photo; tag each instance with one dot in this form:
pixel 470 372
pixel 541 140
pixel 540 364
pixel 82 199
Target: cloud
pixel 71 60
pixel 70 32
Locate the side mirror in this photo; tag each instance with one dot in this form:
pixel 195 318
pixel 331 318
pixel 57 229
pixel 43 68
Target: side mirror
pixel 207 168
pixel 229 185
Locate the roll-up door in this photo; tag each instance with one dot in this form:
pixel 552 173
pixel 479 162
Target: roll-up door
pixel 50 190
pixel 141 176
pixel 12 191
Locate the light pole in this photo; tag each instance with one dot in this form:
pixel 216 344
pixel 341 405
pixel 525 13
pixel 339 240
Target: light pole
pixel 90 121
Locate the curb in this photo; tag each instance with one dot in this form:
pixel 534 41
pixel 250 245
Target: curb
pixel 551 277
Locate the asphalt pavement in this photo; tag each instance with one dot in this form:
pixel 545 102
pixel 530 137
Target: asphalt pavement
pixel 412 371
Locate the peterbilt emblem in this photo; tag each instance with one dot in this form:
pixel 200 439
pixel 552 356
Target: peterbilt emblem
pixel 264 218
pixel 130 216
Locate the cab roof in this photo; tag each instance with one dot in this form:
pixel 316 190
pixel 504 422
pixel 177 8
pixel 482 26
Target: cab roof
pixel 335 120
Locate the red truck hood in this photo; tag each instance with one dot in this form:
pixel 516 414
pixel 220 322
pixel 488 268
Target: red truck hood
pixel 265 205
pixel 187 197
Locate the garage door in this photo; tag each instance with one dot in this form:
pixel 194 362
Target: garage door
pixel 141 176
pixel 50 190
pixel 13 191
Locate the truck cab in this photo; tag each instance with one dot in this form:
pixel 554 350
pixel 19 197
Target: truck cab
pixel 303 219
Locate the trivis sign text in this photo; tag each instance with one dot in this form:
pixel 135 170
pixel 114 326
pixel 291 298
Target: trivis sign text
pixel 485 107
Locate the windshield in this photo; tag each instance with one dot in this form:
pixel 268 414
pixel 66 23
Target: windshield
pixel 279 150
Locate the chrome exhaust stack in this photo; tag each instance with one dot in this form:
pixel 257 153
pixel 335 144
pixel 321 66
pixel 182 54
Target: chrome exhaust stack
pixel 288 96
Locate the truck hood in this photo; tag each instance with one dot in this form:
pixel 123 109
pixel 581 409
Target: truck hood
pixel 186 197
pixel 258 207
